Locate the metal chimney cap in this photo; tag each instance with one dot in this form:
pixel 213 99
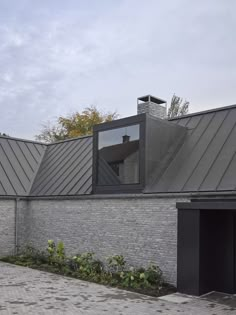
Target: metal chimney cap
pixel 150 98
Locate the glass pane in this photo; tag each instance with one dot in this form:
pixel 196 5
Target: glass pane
pixel 118 156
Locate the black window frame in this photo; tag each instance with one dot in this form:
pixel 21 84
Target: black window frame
pixel 125 122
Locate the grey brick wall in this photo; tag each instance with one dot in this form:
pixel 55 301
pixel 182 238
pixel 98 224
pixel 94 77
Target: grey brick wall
pixel 7 227
pixel 153 109
pixel 141 229
pixel 23 224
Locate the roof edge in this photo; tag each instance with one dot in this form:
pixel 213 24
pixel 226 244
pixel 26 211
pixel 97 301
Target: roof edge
pixel 70 139
pixel 204 112
pixel 23 140
pixel 43 143
pixel 212 194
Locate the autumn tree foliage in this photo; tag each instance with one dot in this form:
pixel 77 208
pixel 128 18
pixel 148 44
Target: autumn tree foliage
pixel 75 125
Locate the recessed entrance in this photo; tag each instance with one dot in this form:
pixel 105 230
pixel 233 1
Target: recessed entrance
pixel 206 247
pixel 217 244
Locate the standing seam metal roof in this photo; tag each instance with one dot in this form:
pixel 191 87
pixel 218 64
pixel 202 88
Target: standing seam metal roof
pixel 29 168
pixel 19 163
pixel 206 162
pixel 66 169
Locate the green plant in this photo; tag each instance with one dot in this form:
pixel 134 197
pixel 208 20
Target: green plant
pixel 51 249
pixel 56 253
pixel 153 275
pixel 60 250
pixel 59 258
pixel 116 263
pixel 142 278
pixel 34 255
pixel 129 279
pixel 87 265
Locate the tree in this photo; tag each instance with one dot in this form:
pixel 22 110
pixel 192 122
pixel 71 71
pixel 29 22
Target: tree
pixel 51 133
pixel 178 107
pixel 3 134
pixel 74 125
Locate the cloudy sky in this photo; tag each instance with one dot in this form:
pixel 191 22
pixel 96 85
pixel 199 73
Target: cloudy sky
pixel 59 56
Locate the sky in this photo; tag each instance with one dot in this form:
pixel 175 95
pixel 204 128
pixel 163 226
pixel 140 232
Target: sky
pixel 58 57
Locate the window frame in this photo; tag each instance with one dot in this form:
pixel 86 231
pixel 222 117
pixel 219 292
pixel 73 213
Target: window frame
pixel 125 122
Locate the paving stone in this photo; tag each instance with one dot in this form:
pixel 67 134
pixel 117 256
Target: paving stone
pixel 26 291
pixel 175 298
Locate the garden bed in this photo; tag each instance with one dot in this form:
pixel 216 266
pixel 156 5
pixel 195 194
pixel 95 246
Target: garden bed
pixel 115 272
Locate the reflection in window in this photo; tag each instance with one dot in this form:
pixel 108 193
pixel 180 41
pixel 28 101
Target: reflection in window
pixel 118 156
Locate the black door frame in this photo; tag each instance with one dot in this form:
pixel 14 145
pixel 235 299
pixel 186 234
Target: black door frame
pixel 190 260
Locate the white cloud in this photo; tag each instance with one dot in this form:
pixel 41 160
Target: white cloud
pixel 57 57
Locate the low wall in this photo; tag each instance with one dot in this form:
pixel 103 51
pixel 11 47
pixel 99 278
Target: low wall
pixel 142 229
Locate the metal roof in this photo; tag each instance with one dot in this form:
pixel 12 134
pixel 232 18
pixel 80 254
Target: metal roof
pixel 66 169
pixel 19 163
pixel 206 161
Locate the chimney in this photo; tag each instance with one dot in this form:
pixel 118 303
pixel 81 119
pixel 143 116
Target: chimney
pixel 126 138
pixel 153 106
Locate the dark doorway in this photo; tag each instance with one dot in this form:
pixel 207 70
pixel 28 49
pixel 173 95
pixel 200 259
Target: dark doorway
pixel 217 251
pixel 206 247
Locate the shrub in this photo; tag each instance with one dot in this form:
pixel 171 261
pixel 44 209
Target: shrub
pixel 37 256
pixel 87 267
pixel 51 249
pixel 133 277
pixel 56 253
pixel 116 263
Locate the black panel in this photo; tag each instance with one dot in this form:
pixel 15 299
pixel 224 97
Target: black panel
pixel 188 251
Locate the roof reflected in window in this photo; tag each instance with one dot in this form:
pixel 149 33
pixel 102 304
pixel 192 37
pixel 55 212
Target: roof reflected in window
pixel 118 156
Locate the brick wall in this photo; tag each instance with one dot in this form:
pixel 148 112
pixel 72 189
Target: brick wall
pixel 7 227
pixel 153 109
pixel 141 229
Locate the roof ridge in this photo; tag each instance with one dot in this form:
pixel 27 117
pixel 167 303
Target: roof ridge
pixel 218 109
pixel 70 139
pixel 43 143
pixel 22 140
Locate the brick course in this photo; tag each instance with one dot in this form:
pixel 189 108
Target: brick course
pixel 142 229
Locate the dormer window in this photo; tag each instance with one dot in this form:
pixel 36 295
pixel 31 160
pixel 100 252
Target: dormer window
pixel 118 155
